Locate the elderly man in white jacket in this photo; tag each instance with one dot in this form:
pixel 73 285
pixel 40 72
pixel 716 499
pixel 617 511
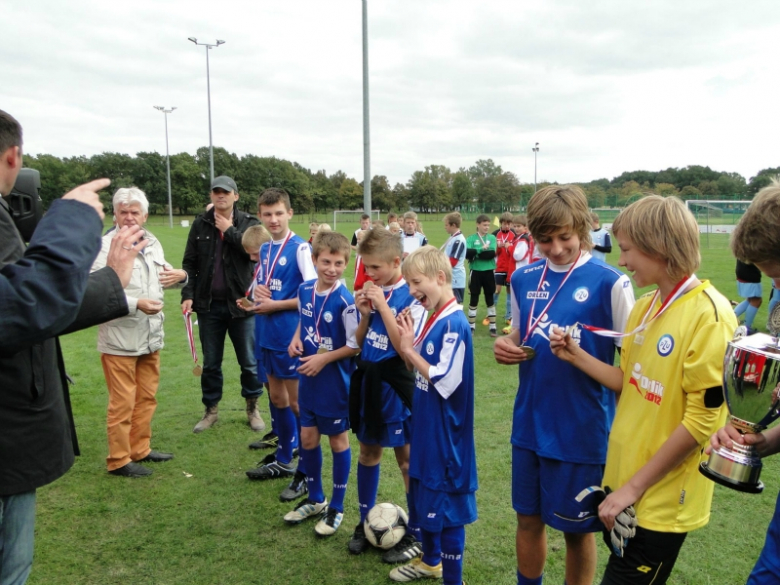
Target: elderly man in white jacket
pixel 130 346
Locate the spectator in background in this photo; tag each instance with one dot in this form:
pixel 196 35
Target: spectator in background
pixel 602 243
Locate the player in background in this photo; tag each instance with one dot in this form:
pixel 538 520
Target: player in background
pixel 324 343
pixel 602 242
pixel 365 224
pixel 361 276
pixel 669 381
pixel 505 264
pixel 443 466
pixel 481 254
pixel 381 389
pixel 410 232
pixel 313 228
pixel 756 240
pixel 562 416
pixel 749 288
pixel 392 217
pixel 455 250
pixel 522 254
pixel 285 265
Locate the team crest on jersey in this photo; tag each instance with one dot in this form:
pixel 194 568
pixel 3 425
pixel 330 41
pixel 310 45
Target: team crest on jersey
pixel 665 345
pixel 581 294
pixel 328 316
pixel 282 261
pixel 429 348
pixel 393 311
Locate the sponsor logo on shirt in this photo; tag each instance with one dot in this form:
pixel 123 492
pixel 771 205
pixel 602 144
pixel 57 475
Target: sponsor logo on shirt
pixel 651 390
pixel 306 310
pixel 665 345
pixel 377 340
pixel 275 284
pixel 541 295
pixel 545 328
pixel 421 382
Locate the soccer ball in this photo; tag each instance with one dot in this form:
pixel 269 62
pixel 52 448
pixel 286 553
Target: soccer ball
pixel 385 525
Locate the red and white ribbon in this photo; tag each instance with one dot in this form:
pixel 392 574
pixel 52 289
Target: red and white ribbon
pixel 431 322
pixel 322 308
pixel 190 338
pixel 271 267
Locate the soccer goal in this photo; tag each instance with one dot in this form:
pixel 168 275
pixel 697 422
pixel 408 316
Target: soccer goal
pixel 351 217
pixel 717 216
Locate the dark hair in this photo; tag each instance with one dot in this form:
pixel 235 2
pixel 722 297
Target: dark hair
pixel 332 242
pixel 272 196
pixel 365 216
pixel 10 132
pixel 482 217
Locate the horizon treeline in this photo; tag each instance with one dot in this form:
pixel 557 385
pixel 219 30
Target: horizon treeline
pixel 484 185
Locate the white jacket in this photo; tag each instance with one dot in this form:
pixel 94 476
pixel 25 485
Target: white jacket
pixel 137 333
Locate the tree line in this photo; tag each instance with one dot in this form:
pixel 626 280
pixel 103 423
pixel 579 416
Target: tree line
pixel 483 186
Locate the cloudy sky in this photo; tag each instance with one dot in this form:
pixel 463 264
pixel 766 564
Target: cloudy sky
pixel 604 86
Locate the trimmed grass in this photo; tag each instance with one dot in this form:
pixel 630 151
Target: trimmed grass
pixel 198 519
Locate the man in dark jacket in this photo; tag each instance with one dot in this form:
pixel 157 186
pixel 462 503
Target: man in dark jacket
pixel 45 291
pixel 220 272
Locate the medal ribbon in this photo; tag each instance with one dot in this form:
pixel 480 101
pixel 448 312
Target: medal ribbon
pixel 431 322
pixel 677 292
pixel 531 326
pixel 322 308
pixel 270 272
pixel 190 338
pixel 455 235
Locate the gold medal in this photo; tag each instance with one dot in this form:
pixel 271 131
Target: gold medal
pixel 246 303
pixel 530 352
pixel 197 370
pixel 323 349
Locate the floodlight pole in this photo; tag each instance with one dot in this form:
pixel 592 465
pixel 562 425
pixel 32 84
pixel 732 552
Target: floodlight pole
pixel 208 93
pixel 535 149
pixel 366 130
pixel 167 160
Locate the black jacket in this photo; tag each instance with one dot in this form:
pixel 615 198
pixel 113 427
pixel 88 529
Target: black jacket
pixel 199 261
pixel 46 291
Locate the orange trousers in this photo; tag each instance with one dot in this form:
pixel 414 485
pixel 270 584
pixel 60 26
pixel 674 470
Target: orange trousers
pixel 132 385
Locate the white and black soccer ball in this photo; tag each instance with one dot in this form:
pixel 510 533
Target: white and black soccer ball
pixel 385 525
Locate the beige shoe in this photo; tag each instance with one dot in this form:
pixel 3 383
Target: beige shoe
pixel 209 418
pixel 253 416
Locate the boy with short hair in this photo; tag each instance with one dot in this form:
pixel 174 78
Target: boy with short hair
pixel 442 469
pixel 522 254
pixel 381 388
pixel 412 238
pixel 365 224
pixel 756 240
pixel 602 242
pixel 669 381
pixel 749 288
pixel 505 263
pixel 557 404
pixel 455 250
pixel 313 227
pixel 285 264
pixel 324 344
pixel 481 254
pixel 392 217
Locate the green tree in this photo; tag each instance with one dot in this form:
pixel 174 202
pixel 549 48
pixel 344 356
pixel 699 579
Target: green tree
pixel 350 194
pixel 665 189
pixel 381 193
pixel 462 189
pixel 150 175
pixel 187 192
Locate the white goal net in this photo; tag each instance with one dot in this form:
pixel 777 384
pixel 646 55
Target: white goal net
pixel 351 217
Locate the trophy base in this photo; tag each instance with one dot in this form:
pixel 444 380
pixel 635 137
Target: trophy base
pixel 740 486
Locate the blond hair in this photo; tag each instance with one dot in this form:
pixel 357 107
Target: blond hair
pixel 332 242
pixel 520 219
pixel 324 227
pixel 453 218
pixel 757 235
pixel 394 225
pixel 313 224
pixel 555 207
pixel 664 229
pixel 410 215
pixel 254 237
pixel 381 244
pixel 428 261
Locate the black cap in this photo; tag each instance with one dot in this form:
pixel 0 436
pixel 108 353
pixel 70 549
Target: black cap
pixel 224 182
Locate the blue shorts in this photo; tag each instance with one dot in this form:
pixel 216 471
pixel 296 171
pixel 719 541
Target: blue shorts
pixel 435 510
pixel 325 425
pixel 547 487
pixel 395 434
pixel 767 569
pixel 261 377
pixel 749 290
pixel 278 364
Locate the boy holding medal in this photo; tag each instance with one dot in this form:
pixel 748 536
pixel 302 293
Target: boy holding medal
pixel 562 416
pixel 325 344
pixel 442 468
pixel 285 264
pixel 481 254
pixel 669 381
pixel 381 389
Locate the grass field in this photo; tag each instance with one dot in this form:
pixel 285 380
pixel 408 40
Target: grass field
pixel 198 519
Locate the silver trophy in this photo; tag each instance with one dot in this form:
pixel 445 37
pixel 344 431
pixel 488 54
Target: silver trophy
pixel 751 375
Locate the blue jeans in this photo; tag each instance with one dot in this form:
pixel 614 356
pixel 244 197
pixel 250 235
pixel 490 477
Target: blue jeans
pixel 212 327
pixel 17 533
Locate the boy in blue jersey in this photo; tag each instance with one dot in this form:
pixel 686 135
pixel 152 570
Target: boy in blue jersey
pixel 443 466
pixel 285 265
pixel 325 344
pixel 600 238
pixel 557 404
pixel 455 250
pixel 381 389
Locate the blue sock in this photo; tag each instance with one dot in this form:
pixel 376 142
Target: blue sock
pixel 431 546
pixel 526 581
pixel 313 472
pixel 367 486
pixel 287 434
pixel 508 313
pixel 495 298
pixel 453 543
pixel 413 526
pixel 741 308
pixel 750 315
pixel 341 464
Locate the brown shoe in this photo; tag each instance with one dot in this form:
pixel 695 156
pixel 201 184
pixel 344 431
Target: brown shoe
pixel 253 416
pixel 209 418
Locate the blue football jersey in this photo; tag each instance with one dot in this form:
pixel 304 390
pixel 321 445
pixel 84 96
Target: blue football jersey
pixel 561 412
pixel 329 320
pixel 283 271
pixel 455 248
pixel 442 452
